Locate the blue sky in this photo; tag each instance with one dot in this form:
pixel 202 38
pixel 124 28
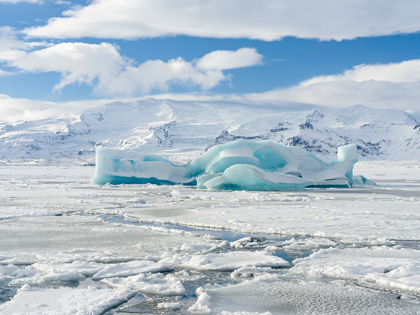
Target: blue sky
pixel 286 62
pixel 297 55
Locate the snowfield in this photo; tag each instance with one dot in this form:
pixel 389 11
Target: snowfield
pixel 71 247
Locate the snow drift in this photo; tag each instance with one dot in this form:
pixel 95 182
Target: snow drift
pixel 237 165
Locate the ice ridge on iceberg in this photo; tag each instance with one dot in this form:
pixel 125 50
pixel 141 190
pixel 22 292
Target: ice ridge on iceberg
pixel 237 165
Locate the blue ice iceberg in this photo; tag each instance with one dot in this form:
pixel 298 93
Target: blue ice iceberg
pixel 237 165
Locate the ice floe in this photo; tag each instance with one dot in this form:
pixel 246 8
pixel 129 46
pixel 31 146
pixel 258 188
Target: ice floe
pixel 64 301
pixel 397 268
pixel 42 273
pixel 169 306
pixel 155 284
pixel 282 295
pixel 131 268
pixel 40 278
pixel 202 306
pixel 227 261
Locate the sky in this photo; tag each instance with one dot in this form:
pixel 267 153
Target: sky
pixel 333 53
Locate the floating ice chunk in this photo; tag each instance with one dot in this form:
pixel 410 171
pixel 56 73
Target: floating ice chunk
pixel 227 261
pixel 188 276
pixel 65 301
pixel 238 165
pixel 38 278
pixel 84 268
pixel 202 306
pixel 249 242
pixel 149 284
pixel 9 270
pixel 252 272
pixel 131 268
pixel 41 273
pixel 83 255
pixel 405 277
pixel 202 247
pixel 307 243
pixel 387 267
pixel 175 306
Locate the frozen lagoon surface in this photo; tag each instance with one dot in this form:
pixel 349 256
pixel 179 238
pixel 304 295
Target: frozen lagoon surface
pixel 70 247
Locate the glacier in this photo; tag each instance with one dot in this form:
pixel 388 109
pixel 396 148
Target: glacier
pixel 237 165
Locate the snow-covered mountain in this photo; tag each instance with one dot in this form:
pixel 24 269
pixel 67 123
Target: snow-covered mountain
pixel 183 130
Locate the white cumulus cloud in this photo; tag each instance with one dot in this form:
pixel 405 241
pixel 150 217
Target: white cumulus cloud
pixel 102 66
pixel 18 1
pixel 9 40
pixel 406 71
pixel 77 62
pixel 11 47
pixel 255 19
pixel 394 85
pixel 225 59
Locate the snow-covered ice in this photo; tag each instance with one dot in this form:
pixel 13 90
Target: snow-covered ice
pixel 227 261
pixel 383 266
pixel 155 284
pixel 169 306
pixel 65 301
pixel 293 296
pixel 202 306
pixel 318 251
pixel 131 268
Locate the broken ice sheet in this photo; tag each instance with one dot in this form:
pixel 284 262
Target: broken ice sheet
pixel 44 273
pixel 364 217
pixel 149 284
pixel 379 266
pixel 226 261
pixel 131 268
pixel 283 295
pixel 65 301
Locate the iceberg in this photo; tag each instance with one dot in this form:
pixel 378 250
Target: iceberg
pixel 237 165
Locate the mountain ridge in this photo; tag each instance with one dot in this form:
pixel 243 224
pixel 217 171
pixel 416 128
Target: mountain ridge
pixel 183 130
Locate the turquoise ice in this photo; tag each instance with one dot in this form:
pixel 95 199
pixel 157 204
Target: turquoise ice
pixel 237 165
